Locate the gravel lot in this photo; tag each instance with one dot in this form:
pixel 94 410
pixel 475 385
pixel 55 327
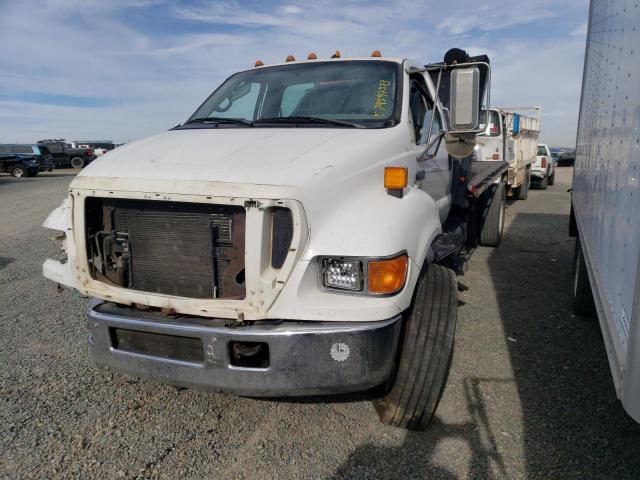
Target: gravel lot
pixel 530 393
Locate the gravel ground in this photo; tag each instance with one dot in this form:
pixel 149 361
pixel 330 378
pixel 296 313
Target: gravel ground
pixel 530 393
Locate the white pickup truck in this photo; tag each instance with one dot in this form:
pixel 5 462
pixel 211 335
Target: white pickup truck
pixel 297 235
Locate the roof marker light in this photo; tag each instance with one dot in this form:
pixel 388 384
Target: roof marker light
pixel 376 53
pixel 336 55
pixel 258 63
pixel 312 56
pixel 290 58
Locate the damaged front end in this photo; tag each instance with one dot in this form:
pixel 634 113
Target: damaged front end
pixel 61 270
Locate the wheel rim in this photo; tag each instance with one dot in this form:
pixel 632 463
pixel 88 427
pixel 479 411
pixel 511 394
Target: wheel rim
pixel 19 172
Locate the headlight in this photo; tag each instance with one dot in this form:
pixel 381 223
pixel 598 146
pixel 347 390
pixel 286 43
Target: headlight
pixel 342 274
pixel 382 276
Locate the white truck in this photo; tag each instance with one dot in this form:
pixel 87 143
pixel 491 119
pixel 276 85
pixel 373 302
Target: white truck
pixel 543 170
pixel 297 235
pixel 512 137
pixel 605 198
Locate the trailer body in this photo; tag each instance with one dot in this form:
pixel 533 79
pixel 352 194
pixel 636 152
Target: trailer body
pixel 606 187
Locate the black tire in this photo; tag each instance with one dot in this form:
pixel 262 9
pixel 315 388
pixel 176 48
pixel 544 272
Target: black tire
pixel 19 171
pixel 543 183
pixel 492 225
pixel 425 358
pixel 77 162
pixel 552 179
pixel 523 190
pixel 583 303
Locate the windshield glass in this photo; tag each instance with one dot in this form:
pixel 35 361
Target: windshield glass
pixel 359 92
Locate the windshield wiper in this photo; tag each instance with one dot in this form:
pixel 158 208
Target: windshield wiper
pixel 301 120
pixel 220 120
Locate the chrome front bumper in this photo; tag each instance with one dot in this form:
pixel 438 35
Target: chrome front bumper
pixel 303 358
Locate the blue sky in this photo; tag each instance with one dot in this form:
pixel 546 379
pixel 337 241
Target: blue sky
pixel 126 69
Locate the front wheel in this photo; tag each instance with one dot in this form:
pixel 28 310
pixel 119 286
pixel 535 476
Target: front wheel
pixel 77 162
pixel 425 358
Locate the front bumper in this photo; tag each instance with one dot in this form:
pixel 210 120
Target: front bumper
pixel 304 358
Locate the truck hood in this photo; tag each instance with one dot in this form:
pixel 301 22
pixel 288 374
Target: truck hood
pixel 291 157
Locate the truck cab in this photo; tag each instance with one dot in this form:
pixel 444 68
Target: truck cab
pixel 292 234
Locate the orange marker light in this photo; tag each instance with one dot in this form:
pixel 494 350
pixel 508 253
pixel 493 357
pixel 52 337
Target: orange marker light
pixel 312 56
pixel 336 55
pixel 290 58
pixel 376 53
pixel 395 178
pixel 387 276
pixel 258 63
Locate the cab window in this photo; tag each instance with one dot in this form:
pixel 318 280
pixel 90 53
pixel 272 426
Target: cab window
pixel 422 111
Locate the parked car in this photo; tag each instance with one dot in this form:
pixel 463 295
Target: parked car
pixel 24 160
pixel 543 170
pixel 566 159
pixel 64 154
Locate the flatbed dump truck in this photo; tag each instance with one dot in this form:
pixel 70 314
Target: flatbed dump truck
pixel 512 137
pixel 298 235
pixel 605 198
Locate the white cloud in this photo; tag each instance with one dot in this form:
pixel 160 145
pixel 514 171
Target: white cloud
pixel 155 79
pixel 581 31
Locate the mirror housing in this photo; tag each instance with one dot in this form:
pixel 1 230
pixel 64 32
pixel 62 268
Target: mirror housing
pixel 465 99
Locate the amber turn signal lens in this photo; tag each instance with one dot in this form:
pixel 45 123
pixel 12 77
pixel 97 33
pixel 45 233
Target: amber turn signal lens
pixel 387 276
pixel 395 177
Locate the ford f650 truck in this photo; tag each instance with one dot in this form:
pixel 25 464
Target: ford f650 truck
pixel 605 198
pixel 297 235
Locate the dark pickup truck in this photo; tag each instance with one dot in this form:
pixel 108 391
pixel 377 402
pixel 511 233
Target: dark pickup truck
pixel 24 160
pixel 64 155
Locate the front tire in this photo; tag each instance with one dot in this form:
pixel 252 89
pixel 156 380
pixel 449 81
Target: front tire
pixel 425 358
pixel 492 226
pixel 77 162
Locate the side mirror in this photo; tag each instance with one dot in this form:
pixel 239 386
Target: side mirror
pixel 465 99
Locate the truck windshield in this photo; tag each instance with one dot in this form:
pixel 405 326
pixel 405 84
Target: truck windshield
pixel 324 94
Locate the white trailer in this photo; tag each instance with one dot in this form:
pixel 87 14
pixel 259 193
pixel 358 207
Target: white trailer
pixel 512 137
pixel 606 191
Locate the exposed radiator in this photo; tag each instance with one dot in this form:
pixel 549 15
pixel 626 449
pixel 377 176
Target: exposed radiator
pixel 183 249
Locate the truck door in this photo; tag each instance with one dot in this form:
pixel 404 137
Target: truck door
pixel 431 156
